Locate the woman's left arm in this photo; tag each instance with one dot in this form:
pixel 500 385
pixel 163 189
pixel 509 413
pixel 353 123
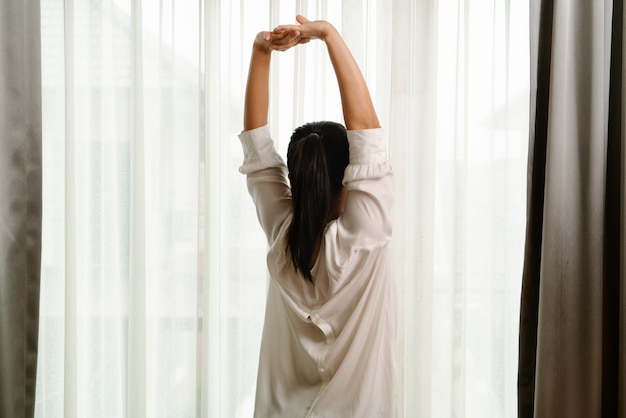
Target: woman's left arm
pixel 256 103
pixel 265 170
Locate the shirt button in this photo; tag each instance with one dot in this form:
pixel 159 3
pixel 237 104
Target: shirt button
pixel 322 370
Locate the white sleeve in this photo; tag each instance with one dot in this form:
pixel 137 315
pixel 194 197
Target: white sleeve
pixel 266 175
pixel 366 220
pixel 258 150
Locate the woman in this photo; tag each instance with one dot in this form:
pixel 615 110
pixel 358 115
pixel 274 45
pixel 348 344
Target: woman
pixel 329 336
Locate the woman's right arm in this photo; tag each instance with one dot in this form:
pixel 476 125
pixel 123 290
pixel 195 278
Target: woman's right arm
pixel 358 109
pixel 368 176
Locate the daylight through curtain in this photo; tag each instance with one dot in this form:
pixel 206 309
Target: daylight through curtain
pixel 153 277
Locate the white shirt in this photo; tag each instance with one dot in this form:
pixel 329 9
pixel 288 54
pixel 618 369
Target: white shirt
pixel 328 347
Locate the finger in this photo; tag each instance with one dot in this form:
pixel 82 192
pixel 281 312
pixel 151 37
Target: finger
pixel 286 28
pixel 284 45
pixel 274 36
pixel 302 20
pixel 287 38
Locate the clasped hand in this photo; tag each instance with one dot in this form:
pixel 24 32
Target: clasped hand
pixel 284 37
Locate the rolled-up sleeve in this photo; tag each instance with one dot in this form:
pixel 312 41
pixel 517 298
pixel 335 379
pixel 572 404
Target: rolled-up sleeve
pixel 266 175
pixel 367 216
pixel 258 150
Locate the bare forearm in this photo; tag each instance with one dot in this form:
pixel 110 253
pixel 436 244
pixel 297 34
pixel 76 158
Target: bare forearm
pixel 358 109
pixel 256 104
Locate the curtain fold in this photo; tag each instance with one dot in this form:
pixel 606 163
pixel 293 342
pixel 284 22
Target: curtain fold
pixel 622 291
pixel 572 303
pixel 413 127
pixel 137 398
pixel 614 325
pixel 20 204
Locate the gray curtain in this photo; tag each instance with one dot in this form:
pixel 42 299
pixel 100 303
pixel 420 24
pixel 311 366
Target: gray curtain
pixel 20 204
pixel 572 356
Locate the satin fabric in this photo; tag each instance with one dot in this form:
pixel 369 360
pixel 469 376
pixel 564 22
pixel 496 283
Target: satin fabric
pixel 572 311
pixel 328 348
pixel 20 204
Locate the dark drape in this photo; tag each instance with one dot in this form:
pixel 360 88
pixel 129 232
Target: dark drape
pixel 573 304
pixel 20 204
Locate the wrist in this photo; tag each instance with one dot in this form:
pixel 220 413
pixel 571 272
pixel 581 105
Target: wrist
pixel 328 32
pixel 261 49
pixel 261 45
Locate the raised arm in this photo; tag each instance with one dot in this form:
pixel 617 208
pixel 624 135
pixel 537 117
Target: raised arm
pixel 358 109
pixel 256 103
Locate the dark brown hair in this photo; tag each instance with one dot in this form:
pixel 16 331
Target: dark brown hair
pixel 316 158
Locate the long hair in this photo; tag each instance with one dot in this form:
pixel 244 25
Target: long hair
pixel 316 158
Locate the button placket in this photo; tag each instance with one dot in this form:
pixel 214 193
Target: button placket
pixel 329 338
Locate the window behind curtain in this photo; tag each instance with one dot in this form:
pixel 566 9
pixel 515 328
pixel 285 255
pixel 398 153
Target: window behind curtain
pixel 148 225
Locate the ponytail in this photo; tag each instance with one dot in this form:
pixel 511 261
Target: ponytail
pixel 316 162
pixel 310 188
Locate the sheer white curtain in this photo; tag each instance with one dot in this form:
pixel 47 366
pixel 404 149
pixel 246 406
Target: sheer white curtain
pixel 153 271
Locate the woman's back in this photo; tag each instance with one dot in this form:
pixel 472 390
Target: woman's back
pixel 328 345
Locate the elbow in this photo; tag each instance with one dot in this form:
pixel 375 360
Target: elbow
pixel 362 120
